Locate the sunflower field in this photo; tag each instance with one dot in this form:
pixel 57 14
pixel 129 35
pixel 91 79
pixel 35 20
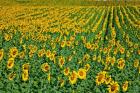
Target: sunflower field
pixel 74 49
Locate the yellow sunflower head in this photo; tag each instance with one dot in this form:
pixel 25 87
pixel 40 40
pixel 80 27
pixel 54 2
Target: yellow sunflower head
pixel 122 50
pixel 62 82
pixel 11 76
pixel 136 63
pixel 88 45
pixel 99 58
pixel 21 55
pixel 86 57
pixel 45 67
pixel 105 50
pixel 100 78
pixel 41 53
pixel 139 52
pixel 7 37
pixel 108 59
pixel 125 86
pixel 113 59
pixel 68 43
pixel 1 54
pixel 66 71
pixel 82 73
pixel 94 58
pixel 87 67
pixel 113 87
pixel 48 53
pixel 63 43
pixel 25 75
pixel 10 63
pixel 128 54
pixel 52 56
pixel 13 52
pixel 115 51
pixel 25 67
pixel 121 63
pixel 61 61
pixel 31 54
pixel 108 79
pixel 73 77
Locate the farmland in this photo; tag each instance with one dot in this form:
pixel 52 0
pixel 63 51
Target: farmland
pixel 69 49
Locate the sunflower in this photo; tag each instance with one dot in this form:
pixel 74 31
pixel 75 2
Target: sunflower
pixel 94 58
pixel 128 54
pixel 113 42
pixel 83 39
pixel 31 54
pixel 24 47
pixel 73 77
pixel 99 58
pixel 136 63
pixel 21 40
pixel 57 39
pixel 10 63
pixel 30 47
pixel 53 45
pixel 112 61
pixel 86 57
pixel 45 67
pixel 72 38
pixel 96 46
pixel 100 78
pixel 48 53
pixel 82 73
pixel 106 67
pixel 105 50
pixel 113 87
pixel 125 86
pixel 62 82
pixel 88 45
pixel 139 52
pixel 52 56
pixel 13 52
pixel 61 61
pixel 34 48
pixel 115 51
pixel 87 67
pixel 11 76
pixel 122 50
pixel 41 52
pixel 113 34
pixel 69 58
pixel 1 54
pixel 25 67
pixel 21 55
pixel 108 79
pixel 121 63
pixel 66 71
pixel 25 75
pixel 7 37
pixel 63 43
pixel 136 46
pixel 68 43
pixel 108 59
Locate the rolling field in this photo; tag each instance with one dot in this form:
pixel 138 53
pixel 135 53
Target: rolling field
pixel 75 49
